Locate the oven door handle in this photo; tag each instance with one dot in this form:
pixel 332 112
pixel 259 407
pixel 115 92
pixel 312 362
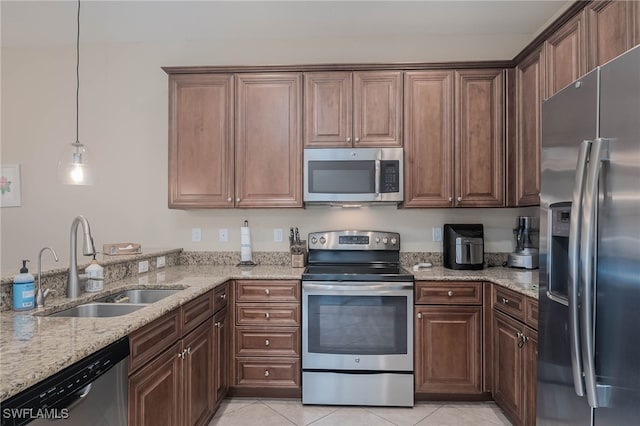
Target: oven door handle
pixel 341 288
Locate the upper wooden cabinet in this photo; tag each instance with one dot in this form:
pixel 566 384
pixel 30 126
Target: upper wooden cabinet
pixel 428 139
pixel 268 155
pixel 479 138
pixel 344 109
pixel 530 83
pixel 566 54
pixel 201 165
pixel 612 29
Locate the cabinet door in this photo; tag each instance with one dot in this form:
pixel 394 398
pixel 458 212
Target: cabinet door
pixel 268 140
pixel 428 138
pixel 611 30
pixel 200 141
pixel 479 162
pixel 221 355
pixel 448 344
pixel 529 95
pixel 508 366
pixel 198 375
pixel 154 391
pixel 328 109
pixel 377 104
pixel 566 54
pixel 531 375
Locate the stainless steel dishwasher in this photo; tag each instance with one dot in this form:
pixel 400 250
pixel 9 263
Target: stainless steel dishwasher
pixel 93 391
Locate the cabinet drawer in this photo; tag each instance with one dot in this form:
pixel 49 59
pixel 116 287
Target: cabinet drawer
pixel 448 293
pixel 508 302
pixel 267 291
pixel 268 372
pixel 220 297
pixel 282 341
pixel 196 311
pixel 531 312
pixel 268 314
pixel 153 338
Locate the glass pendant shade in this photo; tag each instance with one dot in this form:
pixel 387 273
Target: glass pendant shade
pixel 73 167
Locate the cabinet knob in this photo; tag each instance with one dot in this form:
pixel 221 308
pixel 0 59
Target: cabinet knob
pixel 419 315
pixel 266 291
pixel 348 138
pixel 229 200
pixel 459 198
pixel 238 200
pixel 266 315
pixel 357 140
pixel 267 342
pixel 223 296
pixel 218 324
pixel 450 293
pixel 189 350
pixel 450 199
pixel 266 373
pixel 505 301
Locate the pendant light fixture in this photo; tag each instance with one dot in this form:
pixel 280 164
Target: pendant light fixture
pixel 73 167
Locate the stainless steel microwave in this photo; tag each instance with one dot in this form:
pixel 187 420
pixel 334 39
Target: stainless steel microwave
pixel 353 175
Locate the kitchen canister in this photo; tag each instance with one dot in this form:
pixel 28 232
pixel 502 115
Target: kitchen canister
pixel 95 275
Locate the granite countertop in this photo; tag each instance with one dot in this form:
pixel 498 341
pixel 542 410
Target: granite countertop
pixel 34 347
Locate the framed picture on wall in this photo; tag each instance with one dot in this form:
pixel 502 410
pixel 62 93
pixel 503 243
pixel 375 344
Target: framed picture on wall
pixel 10 185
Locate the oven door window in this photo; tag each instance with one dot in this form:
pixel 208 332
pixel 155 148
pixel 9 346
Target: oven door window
pixel 342 177
pixel 362 325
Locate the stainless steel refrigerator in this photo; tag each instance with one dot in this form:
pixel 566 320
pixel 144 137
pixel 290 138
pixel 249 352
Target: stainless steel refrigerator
pixel 589 319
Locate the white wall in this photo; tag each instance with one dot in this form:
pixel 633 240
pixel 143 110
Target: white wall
pixel 123 120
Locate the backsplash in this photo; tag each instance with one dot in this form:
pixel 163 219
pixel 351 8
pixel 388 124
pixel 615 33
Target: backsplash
pixel 118 268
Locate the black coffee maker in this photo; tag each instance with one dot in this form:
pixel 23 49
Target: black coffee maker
pixel 463 246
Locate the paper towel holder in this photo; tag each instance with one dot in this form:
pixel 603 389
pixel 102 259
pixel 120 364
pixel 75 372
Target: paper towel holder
pixel 250 261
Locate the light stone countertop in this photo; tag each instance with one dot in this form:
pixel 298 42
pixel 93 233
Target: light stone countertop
pixel 34 347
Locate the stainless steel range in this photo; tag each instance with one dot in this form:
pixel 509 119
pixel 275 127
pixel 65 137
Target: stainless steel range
pixel 357 321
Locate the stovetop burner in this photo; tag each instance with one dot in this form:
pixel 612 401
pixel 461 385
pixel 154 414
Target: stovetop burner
pixel 372 273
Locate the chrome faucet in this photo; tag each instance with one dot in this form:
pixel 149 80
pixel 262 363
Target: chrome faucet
pixel 73 284
pixel 40 296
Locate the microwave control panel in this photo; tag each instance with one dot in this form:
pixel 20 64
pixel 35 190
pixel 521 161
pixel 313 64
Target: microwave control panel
pixel 389 176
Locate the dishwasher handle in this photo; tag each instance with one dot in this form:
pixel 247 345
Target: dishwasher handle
pixel 75 399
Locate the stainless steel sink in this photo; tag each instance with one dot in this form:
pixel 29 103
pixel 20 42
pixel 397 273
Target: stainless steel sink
pixel 138 296
pixel 99 310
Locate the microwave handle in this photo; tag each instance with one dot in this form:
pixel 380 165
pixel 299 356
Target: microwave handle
pixel 376 184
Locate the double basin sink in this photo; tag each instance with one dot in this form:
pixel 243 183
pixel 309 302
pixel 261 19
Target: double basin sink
pixel 115 305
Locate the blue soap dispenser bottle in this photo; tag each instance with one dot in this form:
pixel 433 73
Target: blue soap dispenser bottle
pixel 23 289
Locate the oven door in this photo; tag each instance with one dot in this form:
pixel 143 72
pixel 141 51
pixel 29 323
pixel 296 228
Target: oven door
pixel 357 326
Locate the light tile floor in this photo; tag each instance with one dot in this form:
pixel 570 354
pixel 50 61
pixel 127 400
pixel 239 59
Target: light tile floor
pixel 288 412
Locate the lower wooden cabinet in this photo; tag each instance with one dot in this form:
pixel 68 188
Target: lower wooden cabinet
pixel 177 387
pixel 515 351
pixel 448 344
pixel 178 377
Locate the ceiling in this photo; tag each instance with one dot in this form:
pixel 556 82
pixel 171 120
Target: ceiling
pixel 41 23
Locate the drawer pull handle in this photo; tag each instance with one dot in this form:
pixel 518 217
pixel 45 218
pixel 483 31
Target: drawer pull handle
pixel 266 315
pixel 266 291
pixel 450 293
pixel 505 301
pixel 266 373
pixel 267 342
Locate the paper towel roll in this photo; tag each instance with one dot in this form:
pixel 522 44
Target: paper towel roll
pixel 245 244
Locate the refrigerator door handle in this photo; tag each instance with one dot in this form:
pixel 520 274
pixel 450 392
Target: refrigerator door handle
pixel 575 222
pixel 599 153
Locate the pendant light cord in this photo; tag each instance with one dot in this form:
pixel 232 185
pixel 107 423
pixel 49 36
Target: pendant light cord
pixel 78 78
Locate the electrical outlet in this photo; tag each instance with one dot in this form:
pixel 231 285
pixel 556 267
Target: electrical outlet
pixel 143 266
pixel 223 235
pixel 196 235
pixel 436 233
pixel 160 261
pixel 277 235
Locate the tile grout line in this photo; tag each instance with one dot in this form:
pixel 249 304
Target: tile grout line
pixel 280 415
pixel 379 416
pixel 322 417
pixel 422 419
pixel 234 410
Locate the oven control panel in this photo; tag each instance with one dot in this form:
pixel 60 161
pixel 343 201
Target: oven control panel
pixel 354 240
